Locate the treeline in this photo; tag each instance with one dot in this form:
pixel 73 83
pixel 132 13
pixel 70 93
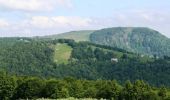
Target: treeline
pixel 14 88
pixel 87 61
pixel 133 39
pixel 25 57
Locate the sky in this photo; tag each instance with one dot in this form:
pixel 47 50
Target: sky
pixel 25 18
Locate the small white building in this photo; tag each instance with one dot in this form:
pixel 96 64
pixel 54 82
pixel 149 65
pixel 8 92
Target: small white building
pixel 114 60
pixel 142 56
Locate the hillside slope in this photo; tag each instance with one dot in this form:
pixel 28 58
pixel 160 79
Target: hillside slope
pixel 133 39
pixel 62 53
pixel 86 61
pixel 75 35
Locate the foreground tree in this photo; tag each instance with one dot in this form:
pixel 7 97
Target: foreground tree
pixel 108 90
pixel 7 86
pixel 127 92
pixel 31 88
pixel 162 93
pixel 55 89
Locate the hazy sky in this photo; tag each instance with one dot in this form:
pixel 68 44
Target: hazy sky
pixel 42 17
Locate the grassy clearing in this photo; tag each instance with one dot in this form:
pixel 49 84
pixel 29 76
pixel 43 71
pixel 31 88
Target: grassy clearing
pixel 62 53
pixel 75 35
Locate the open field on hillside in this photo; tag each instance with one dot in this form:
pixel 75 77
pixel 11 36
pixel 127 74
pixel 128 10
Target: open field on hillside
pixel 62 53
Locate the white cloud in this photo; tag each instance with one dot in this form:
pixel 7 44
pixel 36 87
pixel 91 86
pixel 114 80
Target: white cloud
pixel 58 22
pixel 142 17
pixel 40 22
pixel 3 23
pixel 33 5
pixel 72 21
pixel 43 25
pixel 156 19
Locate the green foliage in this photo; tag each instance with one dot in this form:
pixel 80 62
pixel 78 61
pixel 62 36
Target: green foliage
pixel 50 89
pixel 26 58
pixel 108 90
pixel 31 88
pixel 87 61
pixel 56 89
pixel 162 92
pixel 138 40
pixel 75 35
pixel 34 88
pixel 7 86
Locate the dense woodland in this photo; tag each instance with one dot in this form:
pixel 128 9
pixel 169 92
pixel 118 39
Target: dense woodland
pixel 88 61
pixel 134 39
pixel 14 88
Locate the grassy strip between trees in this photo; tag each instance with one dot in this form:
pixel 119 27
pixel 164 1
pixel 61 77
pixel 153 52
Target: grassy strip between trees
pixel 62 53
pixel 14 88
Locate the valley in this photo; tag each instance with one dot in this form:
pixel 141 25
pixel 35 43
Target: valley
pixel 65 63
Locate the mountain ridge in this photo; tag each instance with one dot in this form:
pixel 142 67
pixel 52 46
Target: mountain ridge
pixel 140 40
pixel 81 35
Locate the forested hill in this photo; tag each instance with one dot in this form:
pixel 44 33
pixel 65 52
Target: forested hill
pixel 83 60
pixel 83 35
pixel 134 39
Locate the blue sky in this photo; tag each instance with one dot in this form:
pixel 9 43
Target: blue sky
pixel 45 17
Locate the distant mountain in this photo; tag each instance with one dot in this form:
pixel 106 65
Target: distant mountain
pixel 134 39
pixel 75 35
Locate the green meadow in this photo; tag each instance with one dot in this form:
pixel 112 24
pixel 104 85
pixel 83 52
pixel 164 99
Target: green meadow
pixel 62 53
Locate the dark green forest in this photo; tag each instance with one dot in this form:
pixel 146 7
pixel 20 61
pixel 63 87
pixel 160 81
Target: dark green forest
pixel 24 87
pixel 135 39
pixel 25 56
